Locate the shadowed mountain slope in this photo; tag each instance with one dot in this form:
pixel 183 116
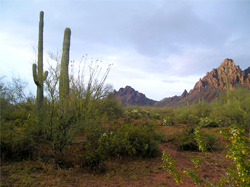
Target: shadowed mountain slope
pixel 129 96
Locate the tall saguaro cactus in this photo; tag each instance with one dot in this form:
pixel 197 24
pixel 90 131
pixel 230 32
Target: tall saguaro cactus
pixel 38 75
pixel 64 75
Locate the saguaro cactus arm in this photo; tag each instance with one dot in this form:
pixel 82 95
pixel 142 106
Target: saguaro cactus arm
pixel 45 75
pixel 34 68
pixel 35 76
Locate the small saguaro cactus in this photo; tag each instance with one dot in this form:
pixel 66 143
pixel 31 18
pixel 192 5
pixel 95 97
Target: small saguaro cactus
pixel 64 75
pixel 38 75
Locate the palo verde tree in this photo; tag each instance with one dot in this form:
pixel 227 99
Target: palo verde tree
pixel 38 74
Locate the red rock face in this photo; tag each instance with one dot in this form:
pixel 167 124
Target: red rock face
pixel 226 76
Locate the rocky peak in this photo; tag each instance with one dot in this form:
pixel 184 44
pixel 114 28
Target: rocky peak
pixel 226 75
pixel 247 71
pixel 125 91
pixel 227 63
pixel 184 94
pixel 129 96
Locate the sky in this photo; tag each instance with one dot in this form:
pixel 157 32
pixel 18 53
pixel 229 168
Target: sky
pixel 158 47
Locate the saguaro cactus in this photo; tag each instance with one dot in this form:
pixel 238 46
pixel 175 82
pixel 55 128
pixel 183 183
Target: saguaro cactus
pixel 38 75
pixel 64 75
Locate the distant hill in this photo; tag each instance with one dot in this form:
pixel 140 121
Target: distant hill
pixel 129 96
pixel 215 82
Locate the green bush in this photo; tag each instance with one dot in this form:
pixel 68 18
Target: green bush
pixel 111 107
pixel 134 114
pixel 167 122
pixel 187 141
pixel 207 122
pixel 131 140
pixel 121 140
pixel 115 144
pixel 140 113
pixel 92 156
pixel 15 145
pixel 182 114
pixel 233 107
pixel 155 116
pixel 142 138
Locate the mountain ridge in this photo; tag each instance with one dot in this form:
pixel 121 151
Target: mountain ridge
pixel 212 85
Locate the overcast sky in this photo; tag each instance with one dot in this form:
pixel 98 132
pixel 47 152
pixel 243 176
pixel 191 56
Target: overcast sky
pixel 158 47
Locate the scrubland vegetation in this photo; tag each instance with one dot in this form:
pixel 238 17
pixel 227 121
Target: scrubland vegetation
pixel 80 135
pixel 97 131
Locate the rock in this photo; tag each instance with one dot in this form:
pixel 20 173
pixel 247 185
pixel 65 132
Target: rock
pixel 213 84
pixel 128 96
pixel 184 94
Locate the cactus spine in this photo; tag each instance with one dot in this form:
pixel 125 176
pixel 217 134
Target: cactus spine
pixel 64 75
pixel 38 75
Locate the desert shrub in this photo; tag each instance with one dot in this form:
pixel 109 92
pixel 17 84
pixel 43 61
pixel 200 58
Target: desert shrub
pixel 155 116
pixel 131 140
pixel 121 140
pixel 134 114
pixel 233 107
pixel 16 109
pixel 15 144
pixel 201 110
pixel 143 138
pixel 207 122
pixel 182 114
pixel 167 122
pixel 111 107
pixel 92 156
pixel 143 112
pixel 94 131
pixel 169 116
pixel 188 139
pixel 239 154
pixel 169 163
pixel 115 143
pixel 237 174
pixel 191 114
pixel 193 119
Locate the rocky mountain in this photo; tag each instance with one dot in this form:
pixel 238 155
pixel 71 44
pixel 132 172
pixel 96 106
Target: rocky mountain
pixel 173 101
pixel 215 82
pixel 212 85
pixel 129 96
pixel 225 76
pixel 247 71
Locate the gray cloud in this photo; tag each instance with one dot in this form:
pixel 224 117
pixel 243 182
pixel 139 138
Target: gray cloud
pixel 145 39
